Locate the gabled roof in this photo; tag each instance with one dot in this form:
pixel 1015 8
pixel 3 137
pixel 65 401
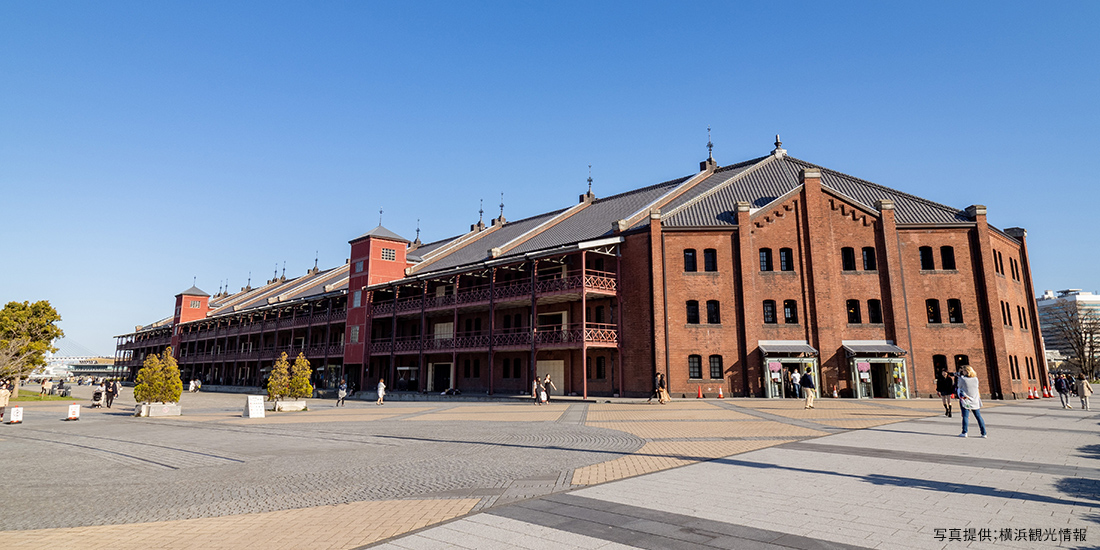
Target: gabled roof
pixel 381 233
pixel 193 291
pixel 766 181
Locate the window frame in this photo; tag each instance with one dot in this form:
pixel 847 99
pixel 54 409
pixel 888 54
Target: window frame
pixel 870 259
pixel 710 260
pixel 932 311
pixel 954 311
pixel 947 258
pixel 766 260
pixel 695 367
pixel 719 366
pixel 855 315
pixel 389 254
pixel 692 307
pixel 790 312
pixel 714 312
pixel 874 311
pixel 927 259
pixel 770 314
pixel 786 259
pixel 847 259
pixel 691 262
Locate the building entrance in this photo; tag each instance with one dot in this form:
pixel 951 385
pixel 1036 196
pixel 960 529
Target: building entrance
pixel 878 369
pixel 440 376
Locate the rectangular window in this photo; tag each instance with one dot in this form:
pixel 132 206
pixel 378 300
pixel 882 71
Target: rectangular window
pixel 854 316
pixel 947 258
pixel 353 337
pixel 933 308
pixel 954 311
pixel 927 262
pixel 477 368
pixel 869 261
pixel 693 312
pixel 710 260
pixel 359 266
pixel 874 312
pixel 689 260
pixel 848 259
pixel 357 298
pixel 389 254
pixel 765 259
pixel 466 369
pixel 601 368
pixel 769 312
pixel 790 312
pixel 599 314
pixel 714 316
pixel 786 259
pixel 195 304
pixel 716 367
pixel 695 367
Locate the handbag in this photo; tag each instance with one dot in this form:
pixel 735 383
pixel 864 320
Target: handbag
pixel 970 403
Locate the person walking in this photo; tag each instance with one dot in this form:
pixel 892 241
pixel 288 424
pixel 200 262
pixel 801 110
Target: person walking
pixel 546 385
pixel 662 390
pixel 111 392
pixel 796 384
pixel 970 399
pixel 945 386
pixel 1084 390
pixel 1061 385
pixel 341 393
pixel 5 393
pixel 809 387
pixel 656 388
pixel 536 390
pixel 381 390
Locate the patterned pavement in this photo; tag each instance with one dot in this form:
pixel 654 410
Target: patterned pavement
pixel 344 477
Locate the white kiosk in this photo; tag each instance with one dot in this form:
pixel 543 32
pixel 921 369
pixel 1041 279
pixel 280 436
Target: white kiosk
pixel 878 369
pixel 781 357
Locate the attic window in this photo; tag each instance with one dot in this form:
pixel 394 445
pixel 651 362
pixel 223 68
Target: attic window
pixel 195 304
pixel 389 254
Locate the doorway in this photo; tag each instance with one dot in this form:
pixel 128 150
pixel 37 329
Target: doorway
pixel 439 376
pixel 556 370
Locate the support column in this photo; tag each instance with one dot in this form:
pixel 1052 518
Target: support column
pixel 618 313
pixel 898 301
pixel 751 314
pixel 392 374
pixel 454 336
pixel 533 318
pixel 584 328
pixel 492 319
pixel 423 334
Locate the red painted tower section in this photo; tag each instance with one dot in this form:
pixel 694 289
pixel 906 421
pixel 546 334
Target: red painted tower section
pixel 377 256
pixel 191 304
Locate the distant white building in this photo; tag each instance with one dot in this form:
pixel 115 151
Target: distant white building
pixel 1084 302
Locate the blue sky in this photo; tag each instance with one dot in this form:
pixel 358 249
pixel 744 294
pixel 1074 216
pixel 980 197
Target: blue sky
pixel 146 143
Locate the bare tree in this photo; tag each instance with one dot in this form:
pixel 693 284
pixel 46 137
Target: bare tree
pixel 1080 330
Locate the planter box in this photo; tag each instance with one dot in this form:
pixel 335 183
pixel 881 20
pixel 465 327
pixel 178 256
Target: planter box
pixel 158 409
pixel 290 406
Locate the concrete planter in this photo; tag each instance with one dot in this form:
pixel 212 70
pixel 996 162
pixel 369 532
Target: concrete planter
pixel 158 409
pixel 290 406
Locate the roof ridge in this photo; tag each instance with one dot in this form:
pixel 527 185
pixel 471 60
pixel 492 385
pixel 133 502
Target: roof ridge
pixel 951 209
pixel 674 181
pixel 740 164
pixel 726 183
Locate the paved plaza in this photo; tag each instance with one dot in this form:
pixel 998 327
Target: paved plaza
pixel 734 473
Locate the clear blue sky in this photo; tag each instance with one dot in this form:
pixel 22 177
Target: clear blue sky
pixel 146 143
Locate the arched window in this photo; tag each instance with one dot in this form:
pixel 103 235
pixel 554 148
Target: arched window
pixel 716 367
pixel 961 361
pixel 874 312
pixel 517 321
pixel 477 325
pixel 854 316
pixel 954 310
pixel 939 363
pixel 469 326
pixel 927 262
pixel 786 259
pixel 695 367
pixel 466 369
pixel 769 312
pixel 477 368
pixel 947 258
pixel 507 325
pixel 848 258
pixel 765 259
pixel 869 261
pixel 710 260
pixel 601 367
pixel 790 312
pixel 693 312
pixel 714 316
pixel 689 259
pixel 932 306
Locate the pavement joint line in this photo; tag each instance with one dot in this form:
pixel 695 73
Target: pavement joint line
pixel 433 410
pixel 97 449
pixel 779 418
pixel 1011 427
pixel 946 459
pixel 103 438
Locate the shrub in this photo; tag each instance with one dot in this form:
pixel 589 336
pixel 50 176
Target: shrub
pixel 158 381
pixel 278 385
pixel 300 387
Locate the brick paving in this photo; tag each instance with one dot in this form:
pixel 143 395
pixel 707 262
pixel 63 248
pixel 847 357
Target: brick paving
pixel 347 477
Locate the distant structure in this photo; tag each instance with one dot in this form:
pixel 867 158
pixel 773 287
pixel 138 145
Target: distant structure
pixel 1080 301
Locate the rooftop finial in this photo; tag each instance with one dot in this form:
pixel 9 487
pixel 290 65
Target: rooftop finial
pixel 480 210
pixel 284 269
pixel 710 146
pixel 379 217
pixel 418 229
pixel 779 151
pixel 502 205
pixel 589 179
pixel 249 283
pixel 194 281
pixel 316 255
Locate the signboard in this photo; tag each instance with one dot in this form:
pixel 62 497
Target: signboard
pixel 255 407
pixel 16 415
pixel 74 412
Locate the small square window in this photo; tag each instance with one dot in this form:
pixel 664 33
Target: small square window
pixel 359 266
pixel 389 254
pixel 195 304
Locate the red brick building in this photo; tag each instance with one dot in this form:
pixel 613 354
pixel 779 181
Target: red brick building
pixel 728 279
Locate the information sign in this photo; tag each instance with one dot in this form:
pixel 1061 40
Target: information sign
pixel 255 407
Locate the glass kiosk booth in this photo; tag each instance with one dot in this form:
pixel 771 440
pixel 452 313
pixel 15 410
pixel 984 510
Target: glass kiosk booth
pixel 781 357
pixel 878 369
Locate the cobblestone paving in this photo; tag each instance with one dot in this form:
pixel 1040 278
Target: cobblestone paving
pixel 397 467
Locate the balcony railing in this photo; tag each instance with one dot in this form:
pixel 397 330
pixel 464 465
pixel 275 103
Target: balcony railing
pixel 544 336
pixel 574 280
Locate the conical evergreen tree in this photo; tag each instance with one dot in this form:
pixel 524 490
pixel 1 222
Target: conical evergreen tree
pixel 300 387
pixel 158 381
pixel 278 385
pixel 149 379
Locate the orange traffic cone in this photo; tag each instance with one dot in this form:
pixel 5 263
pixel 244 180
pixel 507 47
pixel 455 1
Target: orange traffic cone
pixel 1030 392
pixel 720 396
pixel 1046 389
pixel 700 395
pixel 1045 394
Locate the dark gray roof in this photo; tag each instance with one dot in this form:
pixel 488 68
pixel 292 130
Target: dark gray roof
pixel 193 291
pixel 478 249
pixel 761 184
pixel 785 346
pixel 382 233
pixel 880 346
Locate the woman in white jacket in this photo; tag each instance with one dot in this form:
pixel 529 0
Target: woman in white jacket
pixel 970 400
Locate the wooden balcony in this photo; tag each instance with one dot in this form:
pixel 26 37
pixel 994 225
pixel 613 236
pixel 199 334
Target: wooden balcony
pixel 545 337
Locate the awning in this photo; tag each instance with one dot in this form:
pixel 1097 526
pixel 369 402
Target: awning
pixel 863 347
pixel 786 346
